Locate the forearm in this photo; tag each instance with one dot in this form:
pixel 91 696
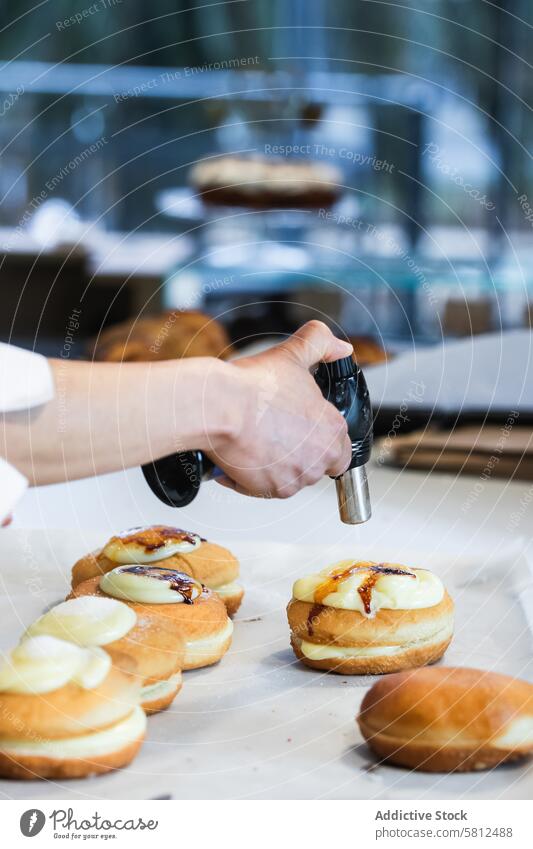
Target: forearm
pixel 106 417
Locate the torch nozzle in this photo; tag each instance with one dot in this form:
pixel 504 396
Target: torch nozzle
pixel 353 496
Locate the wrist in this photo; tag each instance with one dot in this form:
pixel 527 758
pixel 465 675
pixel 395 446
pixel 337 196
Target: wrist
pixel 204 402
pixel 223 403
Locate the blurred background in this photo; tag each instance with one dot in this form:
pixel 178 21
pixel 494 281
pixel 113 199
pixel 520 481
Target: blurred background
pixel 409 225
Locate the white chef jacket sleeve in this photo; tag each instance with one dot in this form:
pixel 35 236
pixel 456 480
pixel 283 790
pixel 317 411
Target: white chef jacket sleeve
pixel 25 381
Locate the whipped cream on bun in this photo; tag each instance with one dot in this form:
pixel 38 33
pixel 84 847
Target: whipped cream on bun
pixel 87 621
pixel 368 587
pixel 43 663
pixel 151 585
pixel 149 544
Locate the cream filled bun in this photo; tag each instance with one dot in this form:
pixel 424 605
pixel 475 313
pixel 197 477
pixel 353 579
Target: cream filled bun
pixel 66 711
pixel 361 617
pixel 179 603
pixel 217 568
pixel 153 642
pixel 448 719
pixel 211 564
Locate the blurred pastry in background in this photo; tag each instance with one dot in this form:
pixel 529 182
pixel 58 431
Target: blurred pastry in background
pixel 149 638
pixel 176 601
pixel 168 336
pixel 66 711
pixel 211 564
pixel 448 719
pixel 367 351
pixel 262 182
pixel 365 618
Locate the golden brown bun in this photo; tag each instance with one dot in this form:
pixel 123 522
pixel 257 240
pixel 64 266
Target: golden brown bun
pixel 87 567
pixel 198 656
pixel 211 564
pixel 159 651
pixel 155 643
pixel 170 335
pixel 420 655
pixel 70 710
pixel 233 601
pixel 214 565
pixel 29 767
pixel 446 719
pixel 157 705
pixel 352 628
pixel 203 618
pixel 425 633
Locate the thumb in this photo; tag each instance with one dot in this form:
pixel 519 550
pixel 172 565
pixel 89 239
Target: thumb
pixel 314 343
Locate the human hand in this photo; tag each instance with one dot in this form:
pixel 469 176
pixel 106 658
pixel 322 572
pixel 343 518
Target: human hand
pixel 285 435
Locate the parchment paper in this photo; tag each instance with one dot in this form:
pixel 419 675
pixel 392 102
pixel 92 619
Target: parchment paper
pixel 260 725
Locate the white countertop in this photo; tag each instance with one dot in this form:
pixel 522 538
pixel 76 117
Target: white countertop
pixel 415 508
pixel 261 725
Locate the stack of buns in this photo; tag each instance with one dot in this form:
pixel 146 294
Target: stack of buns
pixel 172 548
pixel 67 711
pixel 179 604
pixel 121 629
pixel 75 692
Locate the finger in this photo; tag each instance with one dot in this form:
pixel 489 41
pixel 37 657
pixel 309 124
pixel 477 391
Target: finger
pixel 312 475
pixel 223 480
pixel 314 342
pixel 343 459
pixel 228 483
